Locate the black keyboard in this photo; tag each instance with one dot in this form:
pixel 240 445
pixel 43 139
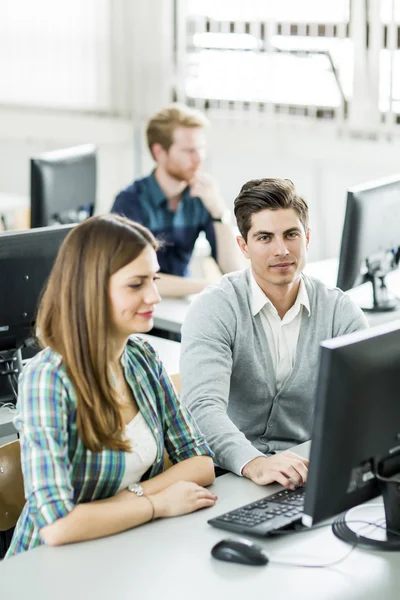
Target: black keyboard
pixel 279 511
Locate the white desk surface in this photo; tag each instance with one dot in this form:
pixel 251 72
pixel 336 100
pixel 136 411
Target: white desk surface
pixel 168 350
pixel 171 559
pixel 171 312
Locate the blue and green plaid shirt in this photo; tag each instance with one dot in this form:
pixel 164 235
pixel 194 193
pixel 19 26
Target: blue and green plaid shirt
pixel 59 472
pixel 145 202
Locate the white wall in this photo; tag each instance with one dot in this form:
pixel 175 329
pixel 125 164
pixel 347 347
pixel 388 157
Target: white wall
pixel 320 162
pixel 24 133
pixel 141 51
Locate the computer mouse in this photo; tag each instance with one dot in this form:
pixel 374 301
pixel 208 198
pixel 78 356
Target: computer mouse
pixel 239 551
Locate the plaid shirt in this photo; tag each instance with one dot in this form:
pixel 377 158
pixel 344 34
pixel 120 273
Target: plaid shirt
pixel 59 472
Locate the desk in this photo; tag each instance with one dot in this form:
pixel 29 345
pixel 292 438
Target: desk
pixel 170 314
pixel 170 559
pixel 168 350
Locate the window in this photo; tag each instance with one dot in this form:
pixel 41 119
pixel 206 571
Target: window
pixel 329 60
pixel 295 56
pixel 389 60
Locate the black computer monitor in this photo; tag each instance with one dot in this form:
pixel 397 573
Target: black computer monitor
pixel 26 259
pixel 355 452
pixel 371 239
pixel 63 186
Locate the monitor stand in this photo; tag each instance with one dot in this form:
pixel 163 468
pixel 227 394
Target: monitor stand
pixel 382 300
pixel 390 487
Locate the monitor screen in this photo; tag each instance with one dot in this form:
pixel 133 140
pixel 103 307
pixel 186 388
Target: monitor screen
pixel 26 259
pixel 356 436
pixel 371 239
pixel 63 186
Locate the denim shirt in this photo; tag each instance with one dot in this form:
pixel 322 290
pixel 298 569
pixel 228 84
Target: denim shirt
pixel 145 202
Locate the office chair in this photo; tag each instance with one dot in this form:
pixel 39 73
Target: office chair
pixel 176 380
pixel 12 498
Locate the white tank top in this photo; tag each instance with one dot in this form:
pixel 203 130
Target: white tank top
pixel 143 453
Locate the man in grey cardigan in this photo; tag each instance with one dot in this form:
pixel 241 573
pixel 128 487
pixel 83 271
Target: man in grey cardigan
pixel 250 344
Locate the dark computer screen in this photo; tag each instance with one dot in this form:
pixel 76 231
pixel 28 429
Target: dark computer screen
pixel 63 186
pixel 26 259
pixel 371 239
pixel 355 452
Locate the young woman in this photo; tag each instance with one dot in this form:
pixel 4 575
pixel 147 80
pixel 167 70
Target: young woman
pixel 96 407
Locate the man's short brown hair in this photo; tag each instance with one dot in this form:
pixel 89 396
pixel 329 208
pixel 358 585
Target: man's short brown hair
pixel 161 127
pixel 258 194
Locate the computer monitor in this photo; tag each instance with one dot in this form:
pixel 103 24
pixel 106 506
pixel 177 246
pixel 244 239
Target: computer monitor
pixel 63 186
pixel 26 259
pixel 371 239
pixel 355 452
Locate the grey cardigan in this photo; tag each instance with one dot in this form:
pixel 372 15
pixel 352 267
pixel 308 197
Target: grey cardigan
pixel 228 380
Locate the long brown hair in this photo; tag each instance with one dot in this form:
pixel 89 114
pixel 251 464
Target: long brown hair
pixel 74 319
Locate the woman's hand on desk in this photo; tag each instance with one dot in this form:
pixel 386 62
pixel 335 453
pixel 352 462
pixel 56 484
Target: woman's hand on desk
pixel 99 518
pixel 287 468
pixel 181 498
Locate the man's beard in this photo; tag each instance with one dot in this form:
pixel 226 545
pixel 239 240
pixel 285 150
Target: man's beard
pixel 178 174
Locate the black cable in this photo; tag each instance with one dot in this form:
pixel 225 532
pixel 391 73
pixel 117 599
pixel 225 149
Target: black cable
pixel 9 368
pixel 8 405
pixel 283 532
pixel 10 380
pixel 11 374
pixel 14 390
pixel 336 561
pixel 341 529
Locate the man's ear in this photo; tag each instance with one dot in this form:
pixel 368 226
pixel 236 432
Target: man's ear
pixel 241 242
pixel 308 235
pixel 157 151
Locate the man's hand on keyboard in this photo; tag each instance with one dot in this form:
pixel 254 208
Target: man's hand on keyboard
pixel 287 468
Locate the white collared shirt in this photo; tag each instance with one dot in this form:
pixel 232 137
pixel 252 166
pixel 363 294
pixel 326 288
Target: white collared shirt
pixel 282 334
